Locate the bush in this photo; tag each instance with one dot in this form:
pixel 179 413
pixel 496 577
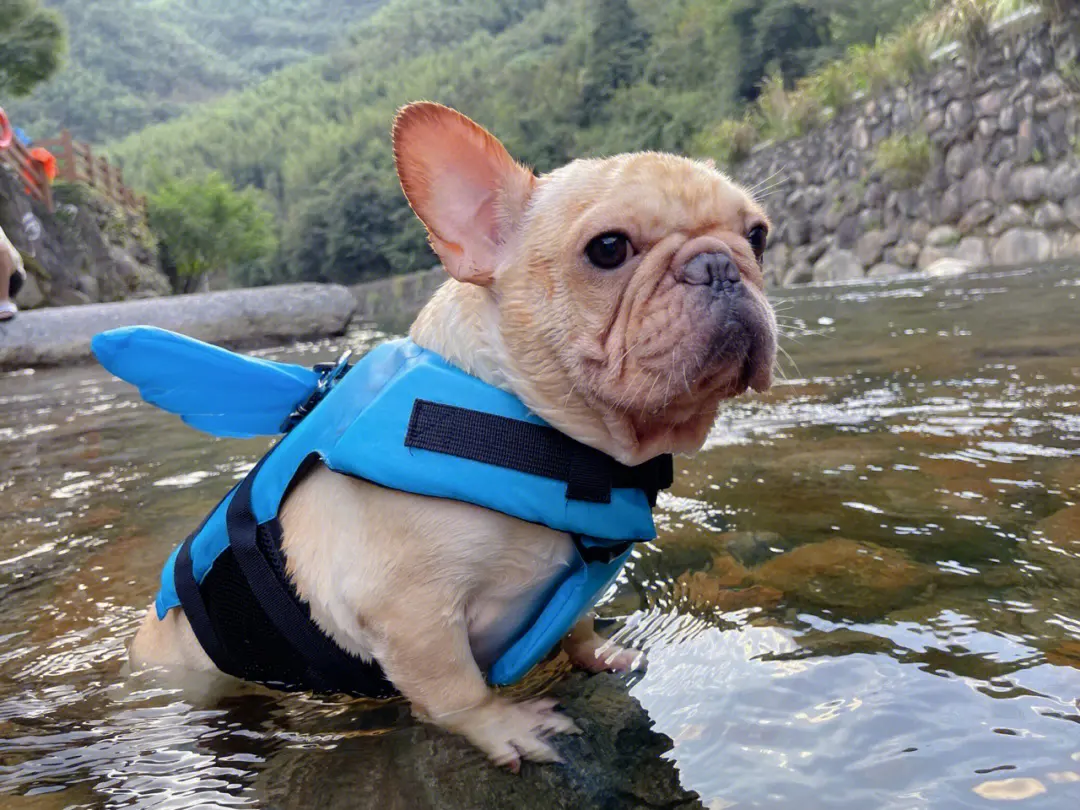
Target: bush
pixel 786 114
pixel 1057 10
pixel 968 21
pixel 205 225
pixel 729 142
pixel 833 86
pixel 904 159
pixel 909 53
pixel 870 69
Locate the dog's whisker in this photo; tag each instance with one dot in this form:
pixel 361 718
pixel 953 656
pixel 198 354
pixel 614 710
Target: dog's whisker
pixel 789 359
pixel 771 186
pixel 760 183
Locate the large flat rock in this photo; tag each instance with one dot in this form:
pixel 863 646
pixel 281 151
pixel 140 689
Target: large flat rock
pixel 233 318
pixel 618 763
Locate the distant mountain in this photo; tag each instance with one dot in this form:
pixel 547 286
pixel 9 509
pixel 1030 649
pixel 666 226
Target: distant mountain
pixel 133 63
pixel 553 78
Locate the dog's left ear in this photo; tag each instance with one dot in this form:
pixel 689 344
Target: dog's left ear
pixel 463 185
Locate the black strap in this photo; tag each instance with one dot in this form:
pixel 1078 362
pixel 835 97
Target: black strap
pixel 534 449
pixel 330 668
pixel 187 588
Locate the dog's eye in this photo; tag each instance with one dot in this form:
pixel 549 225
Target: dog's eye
pixel 757 237
pixel 609 250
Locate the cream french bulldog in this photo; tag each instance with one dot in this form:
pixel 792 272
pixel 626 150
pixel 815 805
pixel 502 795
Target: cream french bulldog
pixel 621 300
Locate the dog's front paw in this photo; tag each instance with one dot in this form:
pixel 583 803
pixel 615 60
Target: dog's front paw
pixel 597 655
pixel 509 732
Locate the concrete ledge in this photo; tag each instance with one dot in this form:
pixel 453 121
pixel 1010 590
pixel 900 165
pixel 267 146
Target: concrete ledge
pixel 395 301
pixel 250 317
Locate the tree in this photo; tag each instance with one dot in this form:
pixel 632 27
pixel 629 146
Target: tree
pixel 781 35
pixel 615 56
pixel 205 225
pixel 31 44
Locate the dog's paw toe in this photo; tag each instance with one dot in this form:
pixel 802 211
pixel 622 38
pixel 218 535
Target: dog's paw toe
pixel 608 658
pixel 512 732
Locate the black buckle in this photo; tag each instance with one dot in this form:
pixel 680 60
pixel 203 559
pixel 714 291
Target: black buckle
pixel 329 374
pixel 602 554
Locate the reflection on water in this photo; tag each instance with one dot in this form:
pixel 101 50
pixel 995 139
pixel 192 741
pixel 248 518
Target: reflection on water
pixel 866 592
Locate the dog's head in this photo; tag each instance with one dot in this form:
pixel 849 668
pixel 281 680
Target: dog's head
pixel 626 293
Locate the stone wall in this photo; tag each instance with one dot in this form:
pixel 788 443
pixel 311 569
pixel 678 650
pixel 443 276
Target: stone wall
pixel 393 302
pixel 1003 185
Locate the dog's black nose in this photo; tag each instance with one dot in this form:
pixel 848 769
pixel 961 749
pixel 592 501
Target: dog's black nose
pixel 716 270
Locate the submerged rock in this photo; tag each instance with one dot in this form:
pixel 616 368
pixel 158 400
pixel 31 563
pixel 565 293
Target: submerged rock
pixel 704 592
pixel 844 574
pixel 753 548
pixel 723 586
pixel 727 584
pixel 1063 526
pixel 1065 654
pixel 617 762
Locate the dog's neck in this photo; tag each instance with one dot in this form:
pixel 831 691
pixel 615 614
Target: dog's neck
pixel 461 324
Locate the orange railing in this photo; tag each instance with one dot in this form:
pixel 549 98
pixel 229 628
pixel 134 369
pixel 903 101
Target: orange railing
pixel 79 164
pixel 33 175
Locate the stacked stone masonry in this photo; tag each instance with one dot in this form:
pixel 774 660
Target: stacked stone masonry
pixel 1003 187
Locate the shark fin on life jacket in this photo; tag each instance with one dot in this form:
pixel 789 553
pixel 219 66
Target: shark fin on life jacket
pixel 212 389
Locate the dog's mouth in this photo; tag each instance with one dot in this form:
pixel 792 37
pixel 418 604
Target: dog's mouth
pixel 754 360
pixel 682 408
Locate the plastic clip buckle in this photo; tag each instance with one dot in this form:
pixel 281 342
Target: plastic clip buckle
pixel 329 374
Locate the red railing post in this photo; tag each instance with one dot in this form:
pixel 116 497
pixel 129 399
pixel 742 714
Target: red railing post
pixel 70 171
pixel 91 169
pixel 106 177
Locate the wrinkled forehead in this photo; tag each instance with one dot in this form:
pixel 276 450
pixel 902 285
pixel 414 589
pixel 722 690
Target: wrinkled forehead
pixel 653 194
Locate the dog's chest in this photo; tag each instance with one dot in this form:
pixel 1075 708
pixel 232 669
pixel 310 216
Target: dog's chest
pixel 513 590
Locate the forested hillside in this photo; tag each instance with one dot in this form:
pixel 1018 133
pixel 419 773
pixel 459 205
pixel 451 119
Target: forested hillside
pixel 132 63
pixel 554 78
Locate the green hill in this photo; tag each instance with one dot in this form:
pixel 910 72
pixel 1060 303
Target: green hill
pixel 554 78
pixel 132 63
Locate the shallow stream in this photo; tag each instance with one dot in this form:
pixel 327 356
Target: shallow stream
pixel 866 591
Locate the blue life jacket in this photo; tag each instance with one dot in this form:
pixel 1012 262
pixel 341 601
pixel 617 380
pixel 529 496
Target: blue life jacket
pixel 403 418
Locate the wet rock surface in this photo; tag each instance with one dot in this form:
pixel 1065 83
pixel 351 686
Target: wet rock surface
pixel 616 762
pixel 1022 246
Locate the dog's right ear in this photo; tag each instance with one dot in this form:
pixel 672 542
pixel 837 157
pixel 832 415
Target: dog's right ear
pixel 463 184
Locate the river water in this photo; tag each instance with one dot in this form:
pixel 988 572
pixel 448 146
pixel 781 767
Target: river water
pixel 865 594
